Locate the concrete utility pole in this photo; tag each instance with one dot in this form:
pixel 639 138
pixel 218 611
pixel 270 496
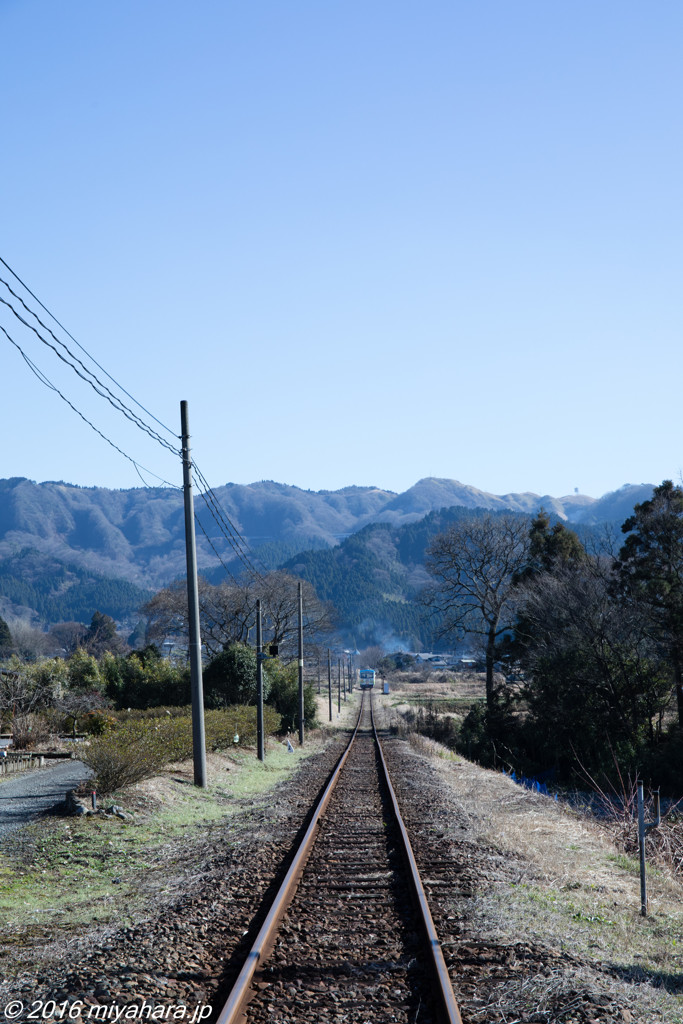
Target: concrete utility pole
pixel 301 666
pixel 195 652
pixel 329 681
pixel 338 685
pixel 260 738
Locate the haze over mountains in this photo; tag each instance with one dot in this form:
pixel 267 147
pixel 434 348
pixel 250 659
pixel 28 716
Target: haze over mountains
pixel 138 534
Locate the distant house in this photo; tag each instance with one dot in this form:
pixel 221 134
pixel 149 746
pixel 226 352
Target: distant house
pixel 435 660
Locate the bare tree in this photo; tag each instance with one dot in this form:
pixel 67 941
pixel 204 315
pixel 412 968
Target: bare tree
pixel 475 565
pixel 167 615
pixel 28 642
pixel 227 615
pixel 279 593
pixel 76 703
pixel 66 637
pixel 228 612
pixel 371 657
pixel 22 693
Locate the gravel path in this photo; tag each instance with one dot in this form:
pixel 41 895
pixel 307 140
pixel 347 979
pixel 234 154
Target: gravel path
pixel 32 793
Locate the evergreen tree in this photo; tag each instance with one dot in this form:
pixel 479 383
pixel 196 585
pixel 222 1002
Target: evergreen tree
pixel 101 636
pixel 551 548
pixel 651 569
pixel 231 678
pixel 6 644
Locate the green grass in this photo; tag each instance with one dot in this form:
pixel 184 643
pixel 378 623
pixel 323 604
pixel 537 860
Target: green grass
pixel 68 874
pixel 632 864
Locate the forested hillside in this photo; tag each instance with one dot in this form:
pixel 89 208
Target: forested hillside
pixel 67 551
pixel 58 592
pixel 374 579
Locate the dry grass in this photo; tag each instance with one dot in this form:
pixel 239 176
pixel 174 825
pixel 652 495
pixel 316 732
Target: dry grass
pixel 566 883
pixel 572 890
pixel 428 683
pixel 429 747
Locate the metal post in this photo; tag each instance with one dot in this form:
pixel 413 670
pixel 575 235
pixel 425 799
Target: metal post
pixel 641 845
pixel 301 666
pixel 329 682
pixel 195 651
pixel 260 740
pixel 318 673
pixel 338 685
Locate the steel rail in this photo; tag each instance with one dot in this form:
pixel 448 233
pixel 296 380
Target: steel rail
pixel 234 1008
pixel 444 995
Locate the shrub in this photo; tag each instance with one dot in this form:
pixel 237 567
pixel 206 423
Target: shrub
pixel 158 711
pixel 141 747
pixel 144 679
pixel 231 678
pixel 30 730
pixel 284 695
pixel 94 723
pixel 136 750
pixel 222 725
pixel 428 722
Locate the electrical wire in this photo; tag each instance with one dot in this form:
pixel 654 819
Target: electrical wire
pixel 112 379
pixel 101 389
pixel 48 383
pixel 201 527
pixel 235 539
pixel 215 513
pixel 240 539
pixel 227 527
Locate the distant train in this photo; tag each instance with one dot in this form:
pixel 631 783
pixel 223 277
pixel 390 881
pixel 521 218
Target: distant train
pixel 367 678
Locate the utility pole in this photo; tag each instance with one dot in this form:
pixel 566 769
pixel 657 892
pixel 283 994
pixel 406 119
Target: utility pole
pixel 338 685
pixel 260 739
pixel 195 652
pixel 329 682
pixel 301 666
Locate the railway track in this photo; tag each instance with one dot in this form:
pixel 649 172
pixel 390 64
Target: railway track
pixel 349 936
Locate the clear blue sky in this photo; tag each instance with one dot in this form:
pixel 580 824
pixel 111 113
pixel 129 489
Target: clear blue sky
pixel 368 242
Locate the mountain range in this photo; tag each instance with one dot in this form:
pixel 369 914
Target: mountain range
pixel 137 535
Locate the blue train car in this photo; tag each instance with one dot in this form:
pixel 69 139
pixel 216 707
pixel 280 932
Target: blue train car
pixel 367 678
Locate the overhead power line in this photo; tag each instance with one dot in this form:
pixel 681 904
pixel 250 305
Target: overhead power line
pixel 213 548
pixel 230 526
pixel 227 528
pixel 88 376
pixel 48 383
pixel 112 379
